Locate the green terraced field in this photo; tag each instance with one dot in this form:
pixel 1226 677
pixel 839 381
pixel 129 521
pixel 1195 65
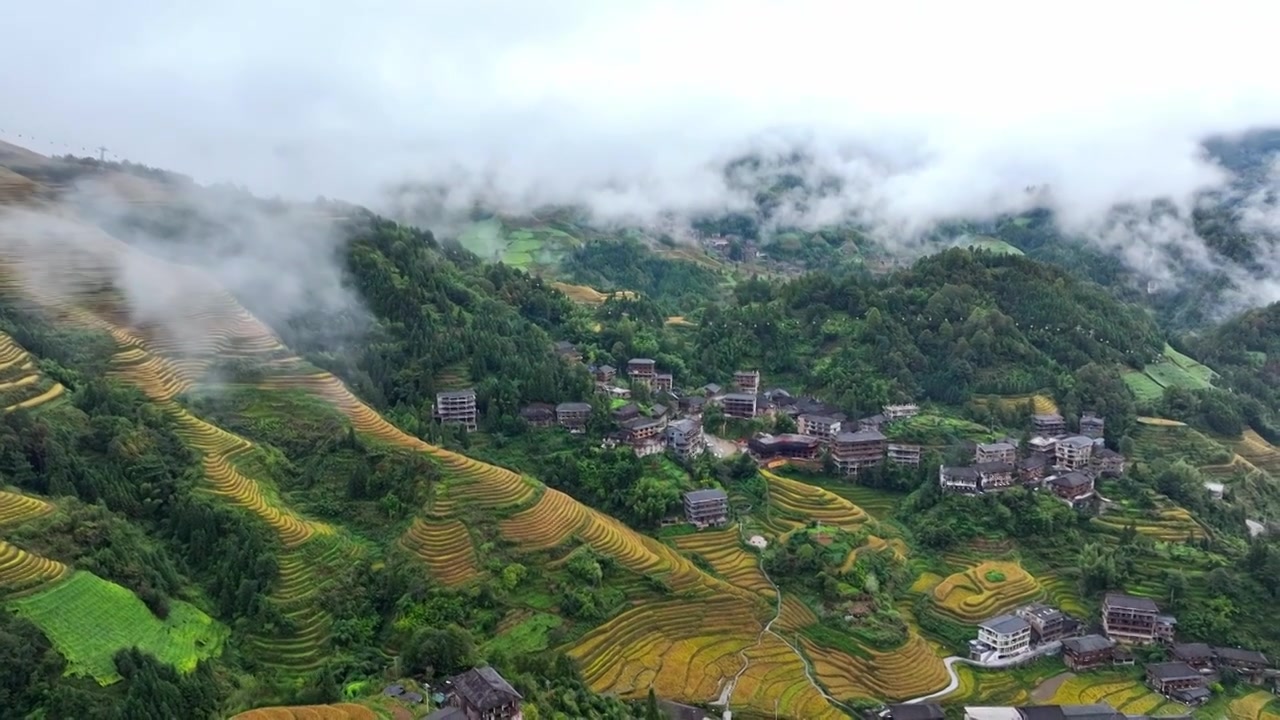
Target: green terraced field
pixel 1173 370
pixel 1143 387
pixel 89 619
pixel 1176 442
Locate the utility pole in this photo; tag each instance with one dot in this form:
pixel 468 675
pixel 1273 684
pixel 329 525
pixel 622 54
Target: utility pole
pixel 102 154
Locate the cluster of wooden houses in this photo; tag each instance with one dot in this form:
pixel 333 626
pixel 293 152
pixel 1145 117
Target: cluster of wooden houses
pixel 934 711
pixel 1066 464
pixel 823 431
pixel 1126 621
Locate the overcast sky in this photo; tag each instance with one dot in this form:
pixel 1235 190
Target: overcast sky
pixel 555 99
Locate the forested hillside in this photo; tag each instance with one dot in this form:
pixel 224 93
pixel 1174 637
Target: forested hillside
pixel 198 523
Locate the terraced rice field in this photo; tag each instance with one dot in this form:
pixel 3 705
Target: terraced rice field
pixel 880 504
pixel 1169 442
pixel 18 508
pixel 1041 403
pixel 444 546
pixel 588 295
pixel 1260 705
pixel 1172 370
pixel 1143 386
pixel 341 711
pixel 21 384
pixel 219 449
pixel 1165 522
pixel 797 499
pixel 23 573
pixel 89 619
pixel 683 649
pixel 723 550
pixel 795 615
pixel 1260 453
pixel 978 687
pixel 907 672
pixel 550 522
pixel 1122 692
pixel 776 672
pixel 979 592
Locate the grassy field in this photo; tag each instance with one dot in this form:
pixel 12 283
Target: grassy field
pixel 991 244
pixel 89 619
pixel 516 244
pixel 1172 370
pixel 933 429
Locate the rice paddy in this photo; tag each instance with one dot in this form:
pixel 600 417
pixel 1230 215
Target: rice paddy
pixel 984 591
pixel 588 295
pixel 16 508
pixel 89 619
pixel 23 573
pixel 723 550
pixel 1121 691
pixel 340 711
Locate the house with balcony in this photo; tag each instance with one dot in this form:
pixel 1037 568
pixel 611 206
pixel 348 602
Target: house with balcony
pixel 900 412
pixel 1047 623
pixel 1087 652
pixel 740 405
pixel 1197 655
pixel 456 407
pixel 538 414
pixel 1042 444
pixel 644 435
pixel 1091 425
pixel 684 438
pixel 1072 486
pixel 747 381
pixel 663 381
pixel 604 373
pixel 1048 424
pixel 573 415
pixel 994 476
pixel 852 452
pixel 1179 681
pixel 1246 662
pixel 1073 453
pixel 961 479
pixel 790 446
pixel 903 454
pixel 1032 468
pixel 1129 619
pixel 823 427
pixel 1001 637
pixel 1003 451
pixel 873 422
pixel 705 508
pixel 1108 462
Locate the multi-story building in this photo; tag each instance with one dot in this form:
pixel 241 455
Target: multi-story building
pixel 994 476
pixel 1087 652
pixel 1002 451
pixel 739 405
pixel 706 507
pixel 852 452
pixel 457 407
pixel 1048 424
pixel 1047 623
pixel 1032 468
pixel 604 373
pixel 623 413
pixel 1179 681
pixel 1197 655
pixel 684 438
pixel 1071 486
pixel 823 427
pixel 644 435
pixel 902 454
pixel 873 422
pixel 538 414
pixel 785 445
pixel 1073 453
pixel 1001 637
pixel 1091 425
pixel 1042 444
pixel 1109 462
pixel 480 694
pixel 641 370
pixel 899 412
pixel 573 415
pixel 1243 661
pixel 1166 626
pixel 1129 619
pixel 747 381
pixel 962 479
pixel 693 404
pixel 663 381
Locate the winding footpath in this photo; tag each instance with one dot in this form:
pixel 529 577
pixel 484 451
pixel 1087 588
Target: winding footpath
pixel 727 693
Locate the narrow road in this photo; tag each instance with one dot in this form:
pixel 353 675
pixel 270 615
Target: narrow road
pixel 950 663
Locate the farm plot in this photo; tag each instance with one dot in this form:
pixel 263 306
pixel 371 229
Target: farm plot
pixel 986 590
pixel 341 711
pixel 909 671
pixel 931 429
pixel 1163 521
pixel 1121 691
pixel 683 649
pixel 23 573
pixel 723 550
pixel 808 502
pixel 1260 705
pixel 1040 403
pixel 444 546
pixel 18 508
pixel 551 521
pixel 1143 387
pixel 1172 370
pixel 776 674
pixel 588 295
pixel 1169 442
pixel 1260 453
pixel 89 619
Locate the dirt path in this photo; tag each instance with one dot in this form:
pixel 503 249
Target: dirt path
pixel 1045 691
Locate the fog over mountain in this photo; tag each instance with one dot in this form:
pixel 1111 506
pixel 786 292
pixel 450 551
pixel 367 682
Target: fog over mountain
pixel 923 110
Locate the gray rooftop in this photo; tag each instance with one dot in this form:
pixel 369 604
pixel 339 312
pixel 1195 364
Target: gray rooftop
pixel 994 466
pixel 456 394
pixel 708 495
pixel 996 447
pixel 1047 417
pixel 1172 671
pixel 573 407
pixel 916 711
pixel 1129 602
pixel 1183 651
pixel 1072 479
pixel 685 426
pixel 485 689
pixel 1087 643
pixel 963 471
pixel 1005 624
pixel 1076 441
pixel 1240 656
pixel 740 396
pixel 640 361
pixel 860 436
